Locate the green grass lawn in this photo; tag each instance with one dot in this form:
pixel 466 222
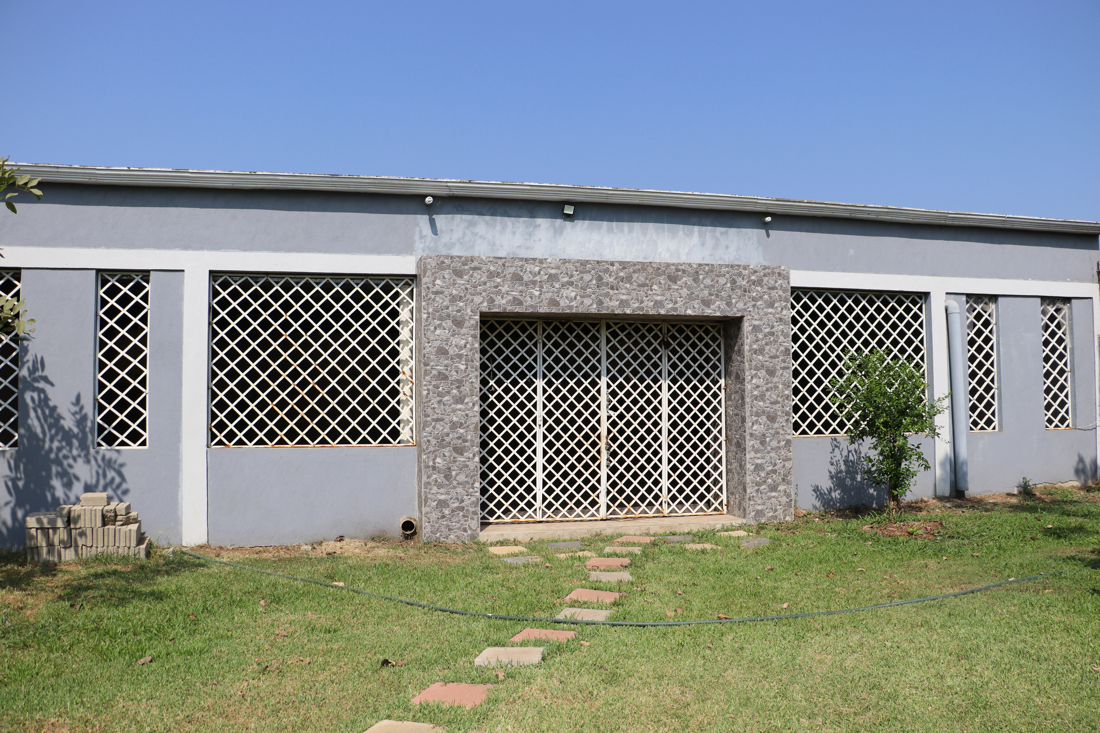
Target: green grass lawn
pixel 235 650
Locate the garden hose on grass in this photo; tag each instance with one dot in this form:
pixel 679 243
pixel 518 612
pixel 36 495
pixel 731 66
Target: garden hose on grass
pixel 581 622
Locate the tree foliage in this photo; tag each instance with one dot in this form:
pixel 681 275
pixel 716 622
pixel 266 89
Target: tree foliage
pixel 13 318
pixel 885 402
pixel 10 178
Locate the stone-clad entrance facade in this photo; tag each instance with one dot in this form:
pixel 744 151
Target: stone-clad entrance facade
pixel 455 293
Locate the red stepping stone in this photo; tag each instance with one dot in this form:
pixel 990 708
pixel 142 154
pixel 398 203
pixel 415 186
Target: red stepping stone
pixel 547 634
pixel 634 539
pixel 454 693
pixel 593 596
pixel 603 563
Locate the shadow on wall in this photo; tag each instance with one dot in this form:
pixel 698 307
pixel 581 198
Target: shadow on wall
pixel 56 460
pixel 1087 471
pixel 847 486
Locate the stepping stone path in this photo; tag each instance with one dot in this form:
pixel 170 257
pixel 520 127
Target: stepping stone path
pixel 603 563
pixel 594 596
pixel 454 693
pixel 469 696
pixel 702 546
pixel 403 726
pixel 602 577
pixel 677 538
pixel 509 656
pixel 622 551
pixel 735 533
pixel 544 635
pixel 585 614
pixel 755 542
pixel 509 550
pixel 574 545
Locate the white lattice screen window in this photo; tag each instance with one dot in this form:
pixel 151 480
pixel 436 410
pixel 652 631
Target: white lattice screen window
pixel 826 324
pixel 311 360
pixel 595 419
pixel 981 361
pixel 9 371
pixel 122 375
pixel 1057 396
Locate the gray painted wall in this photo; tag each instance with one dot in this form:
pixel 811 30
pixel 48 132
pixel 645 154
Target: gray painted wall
pixel 275 496
pixel 1022 446
pixel 379 487
pixel 828 475
pixel 57 459
pixel 281 221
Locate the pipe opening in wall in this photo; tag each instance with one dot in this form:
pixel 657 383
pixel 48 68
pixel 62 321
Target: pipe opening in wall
pixel 409 527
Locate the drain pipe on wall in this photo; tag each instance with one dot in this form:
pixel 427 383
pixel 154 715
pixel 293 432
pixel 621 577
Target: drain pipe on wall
pixel 960 419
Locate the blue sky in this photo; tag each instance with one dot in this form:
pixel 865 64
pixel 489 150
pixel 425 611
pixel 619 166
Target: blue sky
pixel 973 106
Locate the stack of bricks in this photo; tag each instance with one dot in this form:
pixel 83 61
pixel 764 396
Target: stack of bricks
pixel 95 526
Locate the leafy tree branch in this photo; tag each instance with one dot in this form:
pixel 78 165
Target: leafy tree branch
pixel 885 402
pixel 13 318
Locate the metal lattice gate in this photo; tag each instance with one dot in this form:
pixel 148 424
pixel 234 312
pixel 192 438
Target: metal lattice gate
pixel 599 419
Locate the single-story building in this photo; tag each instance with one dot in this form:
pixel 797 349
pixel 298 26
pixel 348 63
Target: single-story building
pixel 260 358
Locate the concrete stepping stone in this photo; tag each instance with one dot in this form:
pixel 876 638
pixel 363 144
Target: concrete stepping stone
pixel 606 577
pixel 509 656
pixel 574 545
pixel 587 595
pixel 585 553
pixel 634 539
pixel 544 635
pixel 509 550
pixel 585 614
pixel 701 546
pixel 454 693
pixel 522 560
pixel 604 563
pixel 678 538
pixel 622 551
pixel 755 542
pixel 735 533
pixel 403 726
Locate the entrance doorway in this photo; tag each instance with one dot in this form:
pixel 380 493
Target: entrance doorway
pixel 601 419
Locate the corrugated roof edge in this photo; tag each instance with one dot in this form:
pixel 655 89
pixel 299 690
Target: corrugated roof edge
pixel 542 192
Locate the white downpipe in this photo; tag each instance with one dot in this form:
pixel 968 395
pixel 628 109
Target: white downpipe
pixel 960 418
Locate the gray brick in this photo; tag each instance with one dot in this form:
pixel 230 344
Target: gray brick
pixel 123 507
pixel 93 499
pixel 44 519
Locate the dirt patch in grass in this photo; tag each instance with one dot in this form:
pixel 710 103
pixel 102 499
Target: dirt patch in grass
pixel 917 530
pixel 368 551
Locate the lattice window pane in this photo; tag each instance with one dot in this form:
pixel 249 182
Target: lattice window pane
pixel 825 324
pixel 122 384
pixel 635 419
pixel 9 370
pixel 311 360
pixel 696 419
pixel 509 421
pixel 571 471
pixel 1057 370
pixel 981 352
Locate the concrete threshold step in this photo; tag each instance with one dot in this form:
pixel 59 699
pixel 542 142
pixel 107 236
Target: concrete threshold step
pixel 527 531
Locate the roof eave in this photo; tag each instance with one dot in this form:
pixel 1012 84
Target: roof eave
pixel 167 177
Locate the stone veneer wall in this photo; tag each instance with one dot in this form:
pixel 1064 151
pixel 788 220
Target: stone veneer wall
pixel 454 292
